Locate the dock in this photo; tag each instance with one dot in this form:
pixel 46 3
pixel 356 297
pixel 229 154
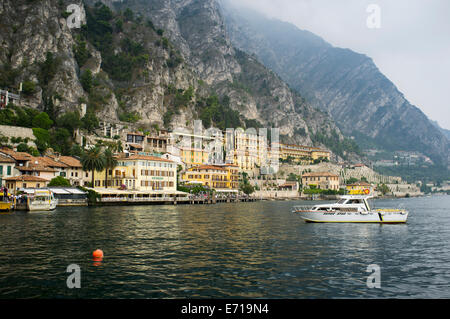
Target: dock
pixel 130 197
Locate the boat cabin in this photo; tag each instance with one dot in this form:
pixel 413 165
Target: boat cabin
pixel 347 203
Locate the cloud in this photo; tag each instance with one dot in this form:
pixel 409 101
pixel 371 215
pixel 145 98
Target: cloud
pixel 411 48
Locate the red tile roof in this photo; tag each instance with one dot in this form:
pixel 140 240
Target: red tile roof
pixel 26 178
pixel 6 159
pixel 18 156
pixel 135 157
pixel 35 168
pixel 47 161
pixel 202 167
pixel 68 161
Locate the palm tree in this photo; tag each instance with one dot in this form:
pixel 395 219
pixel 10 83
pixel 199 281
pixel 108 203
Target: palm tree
pixel 93 160
pixel 110 163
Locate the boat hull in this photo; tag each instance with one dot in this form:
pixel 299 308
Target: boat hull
pixel 42 206
pixel 378 217
pixel 5 207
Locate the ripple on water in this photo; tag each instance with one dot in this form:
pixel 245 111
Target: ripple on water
pixel 245 250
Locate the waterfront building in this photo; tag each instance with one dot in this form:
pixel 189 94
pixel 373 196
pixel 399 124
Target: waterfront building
pixel 47 173
pixel 47 167
pixel 289 186
pixel 221 178
pixel 148 143
pixel 233 175
pixel 302 154
pixel 321 180
pixel 21 158
pixel 195 149
pixel 14 184
pixel 140 172
pixel 157 143
pixel 60 168
pixel 248 150
pixel 74 170
pixel 7 165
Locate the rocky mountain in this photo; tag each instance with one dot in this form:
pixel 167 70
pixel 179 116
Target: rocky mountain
pixel 347 85
pixel 149 63
pixel 443 130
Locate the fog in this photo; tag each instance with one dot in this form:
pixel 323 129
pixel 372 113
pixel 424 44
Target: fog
pixel 411 46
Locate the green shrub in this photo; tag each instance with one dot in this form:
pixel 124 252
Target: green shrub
pixel 131 117
pixel 42 120
pixel 87 80
pixel 28 88
pixel 81 52
pixel 59 181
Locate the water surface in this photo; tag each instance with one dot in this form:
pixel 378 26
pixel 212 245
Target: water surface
pixel 234 250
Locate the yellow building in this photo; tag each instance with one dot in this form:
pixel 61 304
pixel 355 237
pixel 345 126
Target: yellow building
pixel 302 154
pixel 249 150
pixel 24 181
pixel 216 177
pixel 140 172
pixel 321 180
pixel 194 156
pixel 320 154
pixel 193 149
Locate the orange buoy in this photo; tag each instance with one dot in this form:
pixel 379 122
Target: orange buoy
pixel 98 253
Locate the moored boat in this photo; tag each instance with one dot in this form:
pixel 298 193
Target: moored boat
pixel 5 207
pixel 6 204
pixel 350 209
pixel 42 200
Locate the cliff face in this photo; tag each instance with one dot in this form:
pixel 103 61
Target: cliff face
pixel 158 64
pixel 28 31
pixel 347 85
pixel 198 31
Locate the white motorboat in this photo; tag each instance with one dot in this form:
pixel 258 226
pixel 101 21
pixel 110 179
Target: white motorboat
pixel 42 200
pixel 350 209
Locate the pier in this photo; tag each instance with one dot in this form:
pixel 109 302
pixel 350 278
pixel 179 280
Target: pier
pixel 129 197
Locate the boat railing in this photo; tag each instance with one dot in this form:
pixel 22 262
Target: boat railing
pixel 303 208
pixel 389 210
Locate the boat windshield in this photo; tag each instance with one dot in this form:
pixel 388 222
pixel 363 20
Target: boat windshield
pixel 341 201
pixel 41 198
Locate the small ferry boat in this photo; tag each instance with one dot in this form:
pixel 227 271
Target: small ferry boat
pixel 350 209
pixel 6 205
pixel 41 200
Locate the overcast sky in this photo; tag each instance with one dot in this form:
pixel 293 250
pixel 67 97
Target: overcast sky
pixel 411 47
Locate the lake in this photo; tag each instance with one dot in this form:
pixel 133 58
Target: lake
pixel 229 250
